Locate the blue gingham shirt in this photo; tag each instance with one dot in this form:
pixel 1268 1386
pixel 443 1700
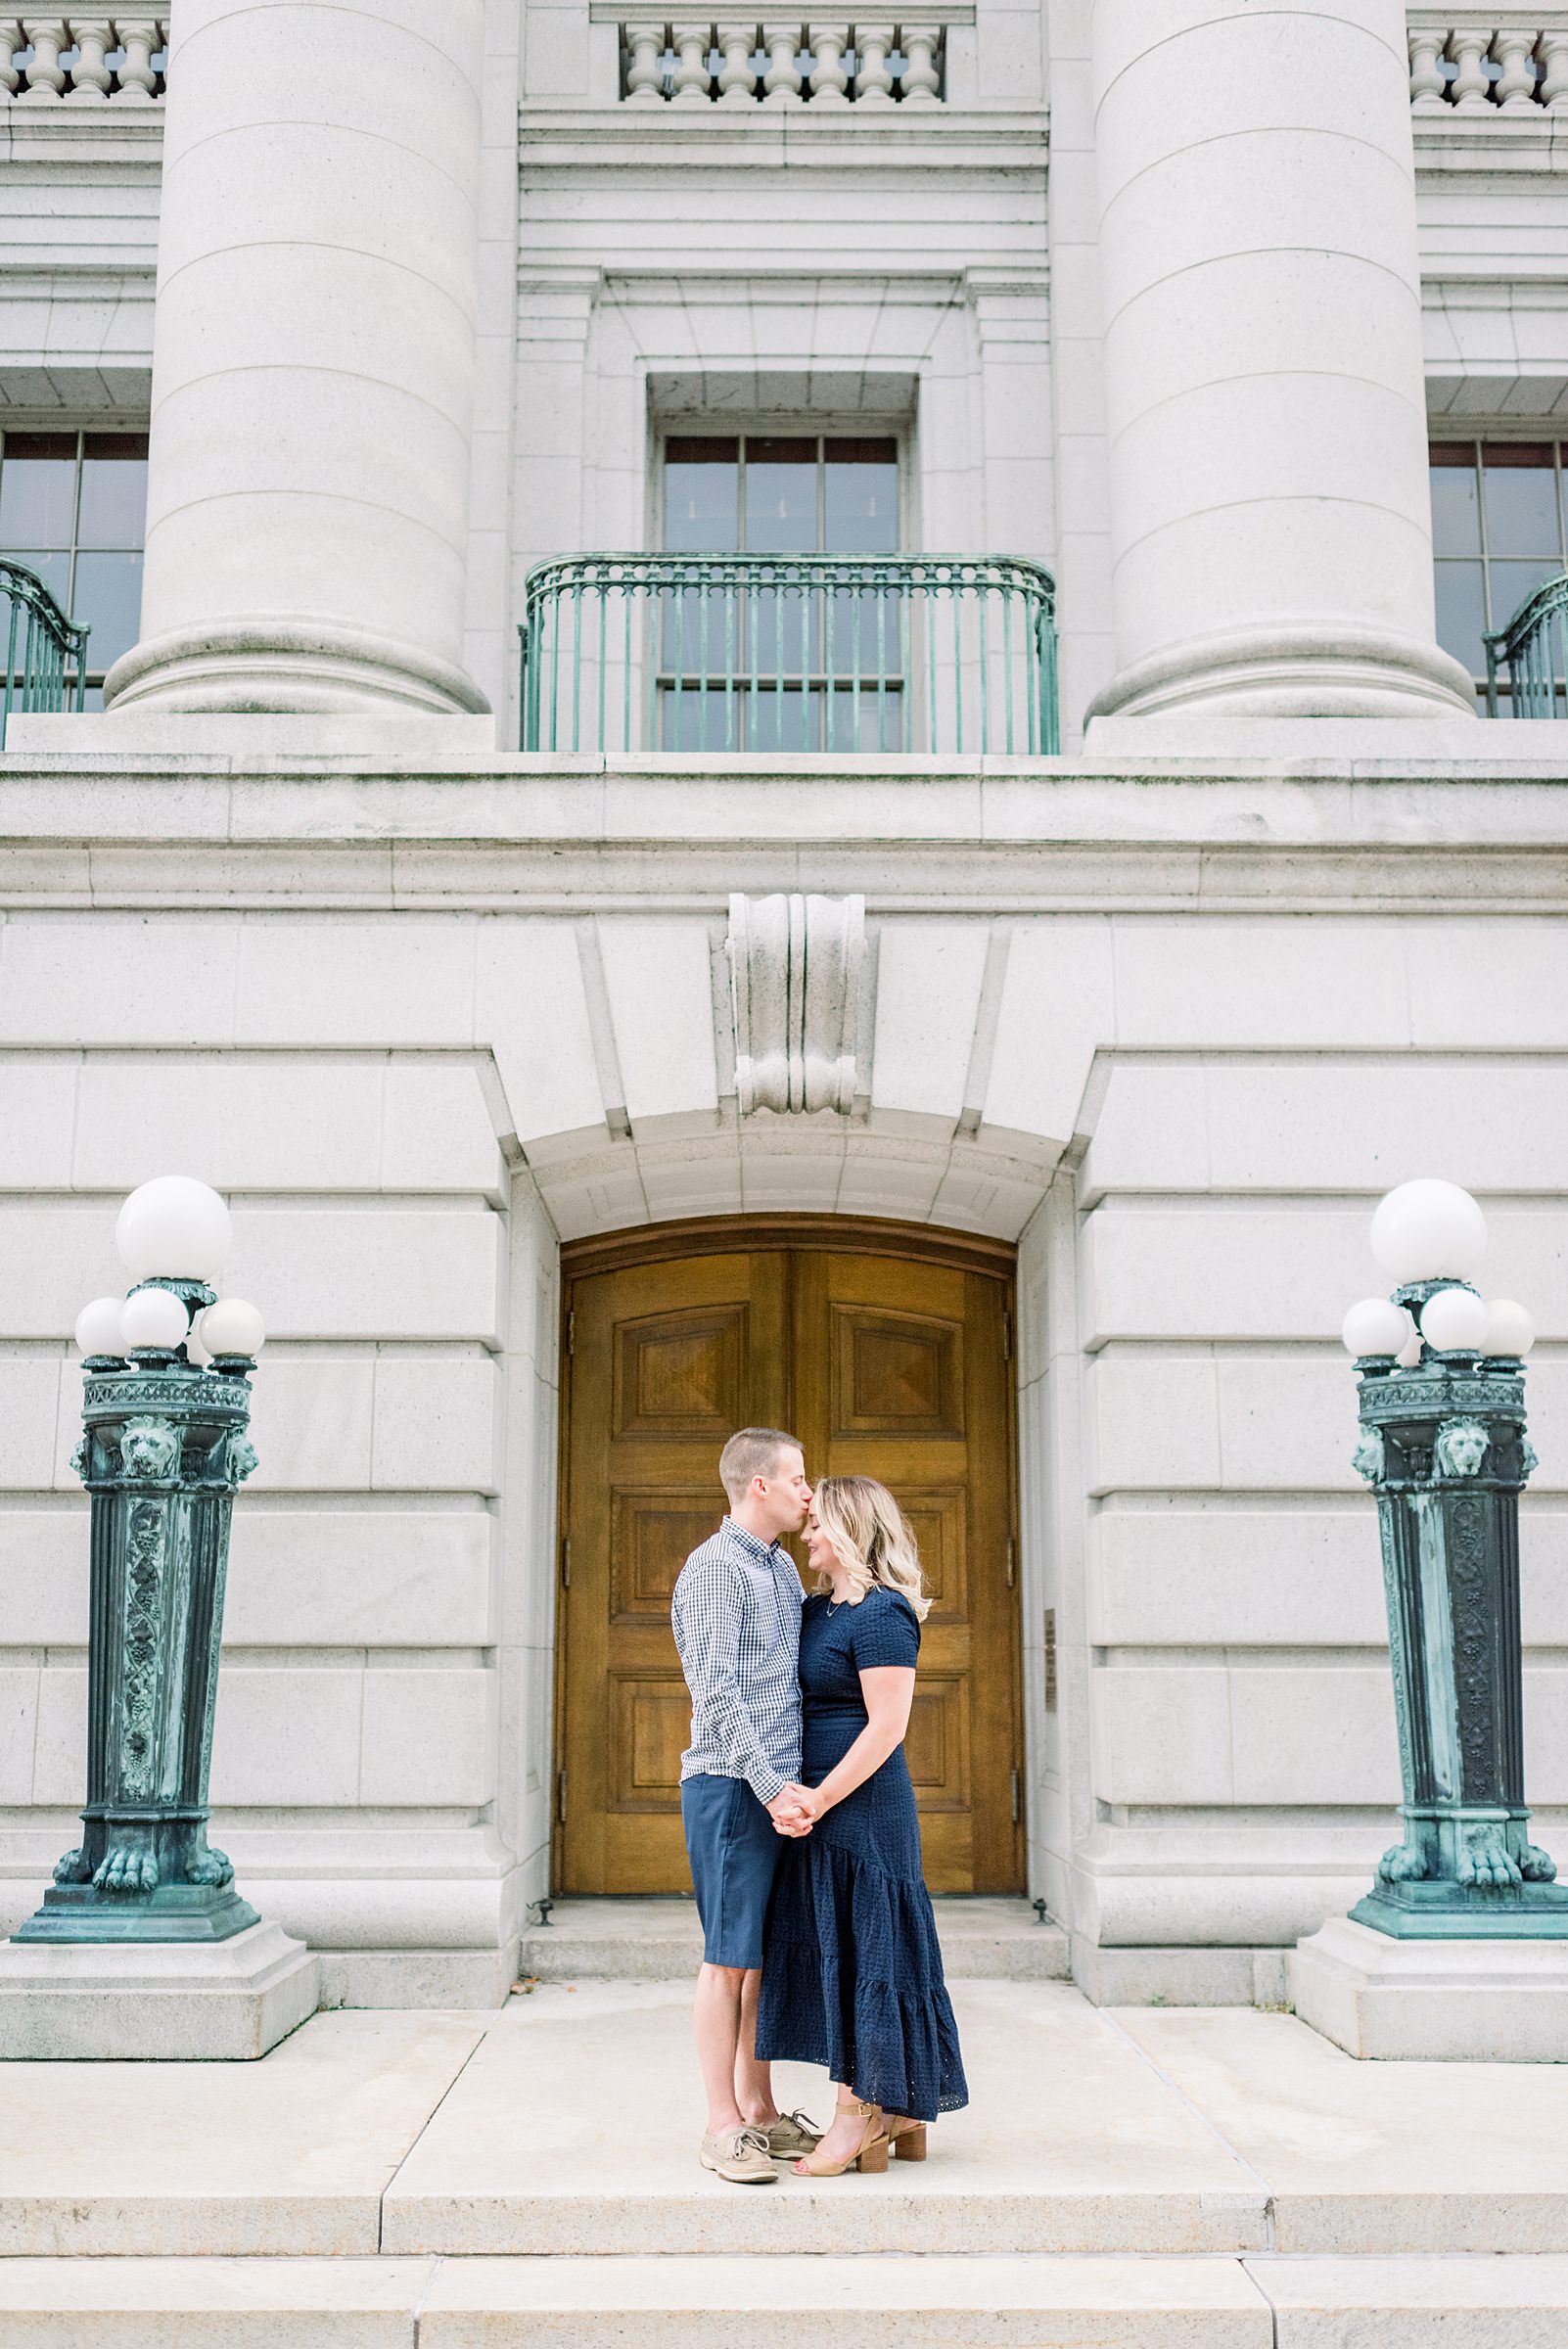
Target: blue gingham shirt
pixel 736 1615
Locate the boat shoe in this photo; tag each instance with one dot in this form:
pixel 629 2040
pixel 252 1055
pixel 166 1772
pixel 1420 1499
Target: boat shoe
pixel 739 2154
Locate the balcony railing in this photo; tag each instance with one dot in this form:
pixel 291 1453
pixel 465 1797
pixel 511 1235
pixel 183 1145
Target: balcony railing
pixel 1529 654
pixel 789 653
pixel 818 65
pixel 1489 63
pixel 83 60
pixel 46 654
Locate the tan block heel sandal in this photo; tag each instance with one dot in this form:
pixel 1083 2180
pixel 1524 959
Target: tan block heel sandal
pixel 869 2158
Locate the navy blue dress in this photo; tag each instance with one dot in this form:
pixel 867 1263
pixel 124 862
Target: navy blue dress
pixel 851 1971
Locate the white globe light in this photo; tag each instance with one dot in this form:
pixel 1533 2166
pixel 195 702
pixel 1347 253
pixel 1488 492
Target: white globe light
pixel 195 1351
pixel 1454 1321
pixel 1408 1355
pixel 1375 1327
pixel 173 1229
pixel 231 1327
pixel 98 1329
pixel 1429 1230
pixel 1509 1329
pixel 152 1317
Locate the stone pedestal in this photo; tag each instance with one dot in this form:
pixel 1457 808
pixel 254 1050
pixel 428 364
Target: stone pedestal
pixel 1433 2002
pixel 175 2001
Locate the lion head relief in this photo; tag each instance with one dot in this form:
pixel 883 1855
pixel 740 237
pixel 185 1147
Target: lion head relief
pixel 151 1450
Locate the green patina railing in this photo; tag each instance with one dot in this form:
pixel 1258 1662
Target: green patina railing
pixel 1532 648
pixel 789 653
pixel 46 654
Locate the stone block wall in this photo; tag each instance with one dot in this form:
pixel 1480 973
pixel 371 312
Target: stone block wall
pixel 356 1771
pixel 1224 1697
pixel 415 1072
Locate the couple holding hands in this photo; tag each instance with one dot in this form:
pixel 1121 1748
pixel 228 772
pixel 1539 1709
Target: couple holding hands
pixel 818 1940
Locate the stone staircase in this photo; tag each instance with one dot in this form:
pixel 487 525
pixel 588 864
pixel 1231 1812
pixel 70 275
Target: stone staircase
pixel 1133 2178
pixel 659 1940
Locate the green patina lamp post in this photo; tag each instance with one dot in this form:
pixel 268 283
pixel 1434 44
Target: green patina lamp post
pixel 1442 1446
pixel 164 1448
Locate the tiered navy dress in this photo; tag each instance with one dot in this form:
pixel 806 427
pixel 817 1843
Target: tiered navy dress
pixel 851 1974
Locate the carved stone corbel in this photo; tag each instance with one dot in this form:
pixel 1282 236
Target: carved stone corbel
pixel 798 989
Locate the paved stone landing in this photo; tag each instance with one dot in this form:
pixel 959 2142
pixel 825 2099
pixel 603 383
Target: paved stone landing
pixel 1133 2178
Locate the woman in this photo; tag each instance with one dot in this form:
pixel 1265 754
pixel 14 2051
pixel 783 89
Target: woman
pixel 851 1971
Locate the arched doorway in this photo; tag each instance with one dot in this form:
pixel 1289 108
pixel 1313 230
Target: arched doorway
pixel 887 1348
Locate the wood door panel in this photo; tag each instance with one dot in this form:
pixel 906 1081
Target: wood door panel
pixel 884 1367
pixel 682 1375
pixel 936 1517
pixel 937 1747
pixel 649 1720
pixel 895 1374
pixel 652 1533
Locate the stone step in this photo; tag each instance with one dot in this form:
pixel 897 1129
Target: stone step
pixel 659 1940
pixel 569 2123
pixel 720 2303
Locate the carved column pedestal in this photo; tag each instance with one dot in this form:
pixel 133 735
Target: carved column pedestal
pixel 164 1449
pixel 1443 1447
pixel 142 1947
pixel 1461 1949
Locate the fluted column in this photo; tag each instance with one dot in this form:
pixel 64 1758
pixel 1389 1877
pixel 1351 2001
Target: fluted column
pixel 1269 515
pixel 313 361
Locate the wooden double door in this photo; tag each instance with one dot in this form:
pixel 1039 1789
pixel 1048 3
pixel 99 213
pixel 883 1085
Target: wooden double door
pixel 886 1350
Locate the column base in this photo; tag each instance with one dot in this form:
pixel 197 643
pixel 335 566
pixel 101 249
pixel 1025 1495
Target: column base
pixel 184 1914
pixel 1292 672
pixel 171 2003
pixel 284 665
pixel 1432 2001
pixel 1445 1912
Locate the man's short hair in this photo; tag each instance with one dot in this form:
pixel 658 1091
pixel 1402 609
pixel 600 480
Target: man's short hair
pixel 752 1452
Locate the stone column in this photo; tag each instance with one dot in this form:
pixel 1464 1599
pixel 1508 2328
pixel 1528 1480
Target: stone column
pixel 313 361
pixel 1271 526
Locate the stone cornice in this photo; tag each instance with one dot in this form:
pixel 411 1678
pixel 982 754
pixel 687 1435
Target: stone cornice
pixel 1534 140
pixel 535 835
pixel 943 138
pixel 33 135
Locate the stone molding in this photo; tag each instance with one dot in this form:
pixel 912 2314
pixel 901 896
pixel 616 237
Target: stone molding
pixel 798 984
pixel 1304 672
pixel 285 666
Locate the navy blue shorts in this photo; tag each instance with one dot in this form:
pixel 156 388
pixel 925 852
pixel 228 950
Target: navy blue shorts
pixel 733 1847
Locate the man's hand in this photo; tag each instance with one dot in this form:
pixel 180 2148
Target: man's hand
pixel 790 1811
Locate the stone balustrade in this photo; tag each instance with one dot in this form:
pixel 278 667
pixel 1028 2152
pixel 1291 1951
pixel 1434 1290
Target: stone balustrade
pixel 81 61
pixel 782 64
pixel 1488 66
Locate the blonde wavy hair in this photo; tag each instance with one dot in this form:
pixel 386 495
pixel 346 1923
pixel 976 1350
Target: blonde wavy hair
pixel 870 1539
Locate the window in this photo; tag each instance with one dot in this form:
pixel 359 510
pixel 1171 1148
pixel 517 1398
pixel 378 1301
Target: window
pixel 72 508
pixel 768 658
pixel 1497 518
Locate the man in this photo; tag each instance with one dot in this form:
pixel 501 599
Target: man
pixel 736 1614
